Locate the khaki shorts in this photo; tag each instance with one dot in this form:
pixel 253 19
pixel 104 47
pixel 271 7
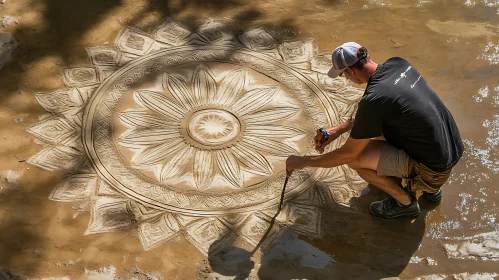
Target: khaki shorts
pixel 415 176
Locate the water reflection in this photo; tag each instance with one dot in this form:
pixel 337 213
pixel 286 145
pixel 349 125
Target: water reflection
pixel 353 245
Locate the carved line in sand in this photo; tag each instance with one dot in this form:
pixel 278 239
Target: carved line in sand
pixel 221 129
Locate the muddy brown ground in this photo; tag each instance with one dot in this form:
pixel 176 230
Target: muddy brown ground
pixel 454 44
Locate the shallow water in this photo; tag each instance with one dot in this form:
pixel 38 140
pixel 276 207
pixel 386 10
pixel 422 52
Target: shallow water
pixel 454 44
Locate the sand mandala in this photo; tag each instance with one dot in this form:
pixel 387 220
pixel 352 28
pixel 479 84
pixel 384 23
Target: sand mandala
pixel 185 133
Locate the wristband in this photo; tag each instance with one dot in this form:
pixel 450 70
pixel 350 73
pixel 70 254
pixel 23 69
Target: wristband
pixel 324 132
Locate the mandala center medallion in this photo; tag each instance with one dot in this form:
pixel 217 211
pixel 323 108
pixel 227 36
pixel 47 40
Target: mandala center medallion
pixel 213 128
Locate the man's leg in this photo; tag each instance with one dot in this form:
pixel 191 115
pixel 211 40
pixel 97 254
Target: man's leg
pixel 366 166
pixel 376 164
pixel 385 184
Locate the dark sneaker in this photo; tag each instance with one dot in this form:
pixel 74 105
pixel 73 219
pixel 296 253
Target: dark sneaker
pixel 389 208
pixel 433 197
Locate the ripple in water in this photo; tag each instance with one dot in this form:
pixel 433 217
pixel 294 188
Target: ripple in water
pixel 487 220
pixel 438 230
pixel 484 93
pixel 487 3
pixel 468 203
pixel 492 131
pixel 490 52
pixel 478 157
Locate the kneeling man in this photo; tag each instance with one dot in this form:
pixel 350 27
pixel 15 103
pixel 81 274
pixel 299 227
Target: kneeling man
pixel 403 139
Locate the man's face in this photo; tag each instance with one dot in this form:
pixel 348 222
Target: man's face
pixel 351 75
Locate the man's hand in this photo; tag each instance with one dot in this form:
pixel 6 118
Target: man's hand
pixel 321 140
pixel 294 162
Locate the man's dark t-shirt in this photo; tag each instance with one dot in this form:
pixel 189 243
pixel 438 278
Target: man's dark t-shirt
pixel 399 104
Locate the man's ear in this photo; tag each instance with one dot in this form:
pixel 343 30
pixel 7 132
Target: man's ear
pixel 351 72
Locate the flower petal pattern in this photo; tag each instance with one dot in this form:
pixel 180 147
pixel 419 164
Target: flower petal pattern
pixel 204 85
pixel 155 154
pixel 252 160
pixel 177 87
pixel 203 169
pixel 273 131
pixel 268 145
pixel 143 119
pixel 270 115
pixel 231 87
pixel 176 166
pixel 149 136
pixel 255 99
pixel 159 103
pixel 229 167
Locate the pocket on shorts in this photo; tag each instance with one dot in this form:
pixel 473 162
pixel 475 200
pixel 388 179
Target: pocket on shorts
pixel 417 183
pixel 422 178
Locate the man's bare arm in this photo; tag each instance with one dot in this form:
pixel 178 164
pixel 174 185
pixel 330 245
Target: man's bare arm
pixel 347 153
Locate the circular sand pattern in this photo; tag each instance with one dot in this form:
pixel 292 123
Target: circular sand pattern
pixel 186 133
pixel 246 174
pixel 213 128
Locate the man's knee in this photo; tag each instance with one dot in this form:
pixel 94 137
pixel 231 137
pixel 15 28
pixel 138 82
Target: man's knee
pixel 369 157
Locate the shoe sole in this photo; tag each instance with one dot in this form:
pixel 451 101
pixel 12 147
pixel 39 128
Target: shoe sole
pixel 395 217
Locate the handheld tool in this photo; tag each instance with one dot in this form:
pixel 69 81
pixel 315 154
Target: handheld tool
pixel 324 138
pixel 273 219
pixel 283 190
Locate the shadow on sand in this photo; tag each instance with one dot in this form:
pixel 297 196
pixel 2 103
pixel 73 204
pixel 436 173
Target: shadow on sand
pixel 352 246
pixel 61 30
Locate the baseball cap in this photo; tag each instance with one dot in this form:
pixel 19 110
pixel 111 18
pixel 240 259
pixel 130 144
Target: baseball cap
pixel 343 57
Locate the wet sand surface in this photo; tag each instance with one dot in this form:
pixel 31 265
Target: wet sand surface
pixel 453 44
